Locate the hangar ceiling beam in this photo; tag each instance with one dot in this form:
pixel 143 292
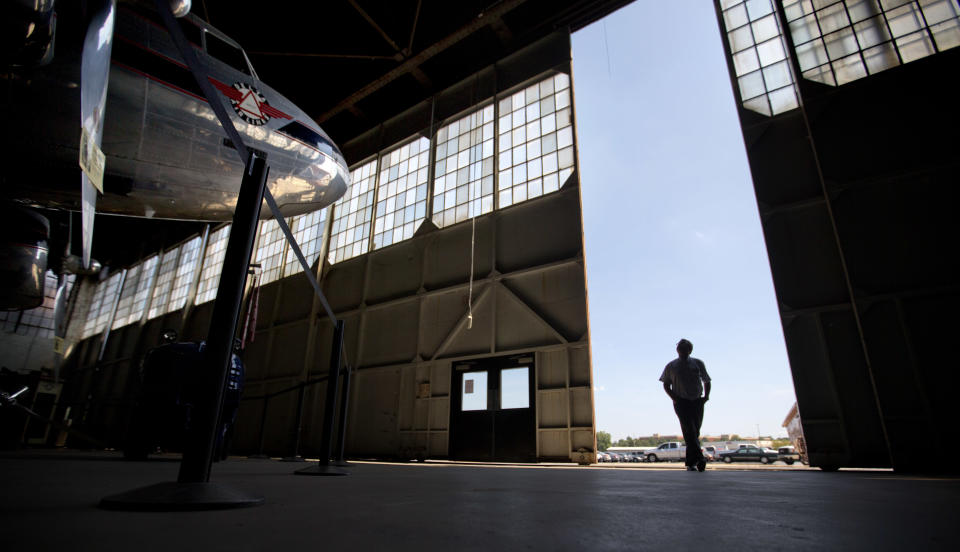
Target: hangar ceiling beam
pixel 482 20
pixel 365 15
pixel 413 28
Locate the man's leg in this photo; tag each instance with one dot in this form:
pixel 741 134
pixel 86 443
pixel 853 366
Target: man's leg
pixel 697 416
pixel 687 424
pixel 696 422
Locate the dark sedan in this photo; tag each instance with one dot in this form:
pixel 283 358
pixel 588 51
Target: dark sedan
pixel 749 454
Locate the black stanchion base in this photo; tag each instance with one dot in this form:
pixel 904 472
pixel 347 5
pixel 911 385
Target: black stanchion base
pixel 293 459
pixel 172 496
pixel 321 469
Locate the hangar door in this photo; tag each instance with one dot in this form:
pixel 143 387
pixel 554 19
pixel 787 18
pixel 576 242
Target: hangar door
pixel 492 414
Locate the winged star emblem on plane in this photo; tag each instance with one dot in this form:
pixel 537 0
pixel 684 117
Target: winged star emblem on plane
pixel 249 104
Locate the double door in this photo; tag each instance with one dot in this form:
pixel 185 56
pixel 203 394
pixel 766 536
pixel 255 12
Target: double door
pixel 492 412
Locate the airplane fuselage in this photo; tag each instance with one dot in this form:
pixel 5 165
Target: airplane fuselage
pixel 166 154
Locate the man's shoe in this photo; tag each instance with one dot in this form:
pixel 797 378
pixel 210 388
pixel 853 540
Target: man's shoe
pixel 701 465
pixel 691 468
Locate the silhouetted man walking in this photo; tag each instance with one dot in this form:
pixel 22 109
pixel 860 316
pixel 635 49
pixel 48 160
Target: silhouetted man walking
pixel 682 379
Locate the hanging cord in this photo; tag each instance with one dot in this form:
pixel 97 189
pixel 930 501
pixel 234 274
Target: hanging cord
pixel 474 215
pixel 473 237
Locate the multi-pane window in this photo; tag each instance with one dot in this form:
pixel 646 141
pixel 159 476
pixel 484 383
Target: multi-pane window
pixel 93 310
pixel 127 295
pixel 161 291
pixel 212 265
pixel 352 215
pixel 111 289
pixel 308 231
pixel 148 272
pixel 39 321
pixel 186 270
pixel 535 139
pixel 760 59
pixel 838 42
pixel 401 193
pixel 269 253
pixel 463 175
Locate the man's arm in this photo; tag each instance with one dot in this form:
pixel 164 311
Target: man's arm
pixel 706 391
pixel 667 388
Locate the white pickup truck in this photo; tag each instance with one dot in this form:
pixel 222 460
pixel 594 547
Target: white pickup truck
pixel 667 452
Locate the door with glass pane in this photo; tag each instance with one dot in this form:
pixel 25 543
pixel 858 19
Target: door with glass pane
pixel 492 414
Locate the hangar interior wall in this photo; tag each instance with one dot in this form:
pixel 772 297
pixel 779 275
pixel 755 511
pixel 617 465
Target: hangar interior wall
pixel 856 188
pixel 405 311
pixel 405 308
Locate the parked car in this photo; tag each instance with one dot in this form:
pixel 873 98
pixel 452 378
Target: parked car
pixel 667 452
pixel 750 454
pixel 788 454
pixel 603 457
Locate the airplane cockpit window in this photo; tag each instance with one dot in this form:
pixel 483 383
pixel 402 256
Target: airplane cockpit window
pixel 227 53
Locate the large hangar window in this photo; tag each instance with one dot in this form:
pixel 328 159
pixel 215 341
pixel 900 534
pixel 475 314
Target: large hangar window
pixel 535 140
pixel 463 175
pixel 92 310
pixel 269 253
pixel 144 285
pixel 186 269
pixel 308 231
pixel 759 55
pixel 161 291
pixel 500 153
pixel 838 42
pixel 133 296
pixel 401 192
pixel 212 265
pixel 127 294
pixel 352 215
pixel 103 301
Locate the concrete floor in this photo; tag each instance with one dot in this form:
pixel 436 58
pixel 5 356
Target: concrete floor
pixel 48 502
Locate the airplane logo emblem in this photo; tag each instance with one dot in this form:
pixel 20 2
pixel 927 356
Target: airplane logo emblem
pixel 249 103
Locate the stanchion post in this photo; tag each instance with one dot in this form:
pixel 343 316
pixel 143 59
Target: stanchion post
pixel 298 428
pixel 326 437
pixel 344 408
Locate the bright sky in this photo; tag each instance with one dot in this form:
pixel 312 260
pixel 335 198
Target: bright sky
pixel 674 246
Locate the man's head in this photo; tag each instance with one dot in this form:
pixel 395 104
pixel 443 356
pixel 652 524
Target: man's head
pixel 684 348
